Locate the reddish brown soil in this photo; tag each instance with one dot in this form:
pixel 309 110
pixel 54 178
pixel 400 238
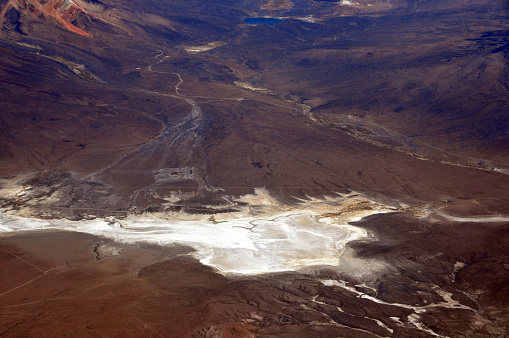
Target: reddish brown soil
pixel 57 284
pixel 106 112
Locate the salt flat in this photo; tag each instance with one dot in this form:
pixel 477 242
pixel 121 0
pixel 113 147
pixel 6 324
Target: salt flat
pixel 276 239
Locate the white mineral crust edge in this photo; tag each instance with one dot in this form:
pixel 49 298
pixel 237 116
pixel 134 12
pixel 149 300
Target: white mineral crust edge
pixel 280 242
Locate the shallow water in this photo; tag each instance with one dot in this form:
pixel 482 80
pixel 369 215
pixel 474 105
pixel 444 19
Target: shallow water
pixel 268 21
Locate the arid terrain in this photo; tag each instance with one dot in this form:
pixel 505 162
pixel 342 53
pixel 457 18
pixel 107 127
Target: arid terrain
pixel 324 169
